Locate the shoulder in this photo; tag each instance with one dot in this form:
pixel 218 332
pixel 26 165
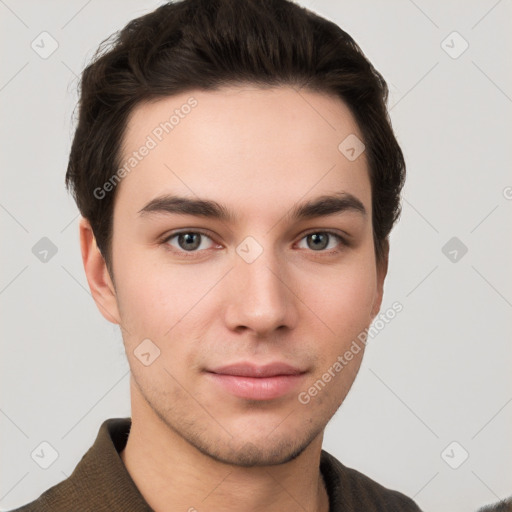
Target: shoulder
pixel 351 490
pixel 99 482
pixel 31 507
pixel 501 506
pixel 65 496
pixel 47 502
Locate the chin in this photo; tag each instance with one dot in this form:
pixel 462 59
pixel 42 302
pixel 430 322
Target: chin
pixel 248 440
pixel 251 455
pixel 253 452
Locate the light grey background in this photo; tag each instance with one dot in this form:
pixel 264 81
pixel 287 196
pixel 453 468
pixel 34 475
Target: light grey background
pixel 438 373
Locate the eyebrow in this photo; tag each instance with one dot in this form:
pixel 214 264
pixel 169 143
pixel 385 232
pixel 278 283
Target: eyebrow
pixel 318 207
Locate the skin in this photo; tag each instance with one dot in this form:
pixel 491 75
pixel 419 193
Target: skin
pixel 259 152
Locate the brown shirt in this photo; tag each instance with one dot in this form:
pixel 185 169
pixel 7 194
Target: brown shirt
pixel 101 483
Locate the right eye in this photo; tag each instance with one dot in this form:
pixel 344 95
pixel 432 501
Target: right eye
pixel 186 241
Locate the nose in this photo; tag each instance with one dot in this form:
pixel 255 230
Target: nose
pixel 261 297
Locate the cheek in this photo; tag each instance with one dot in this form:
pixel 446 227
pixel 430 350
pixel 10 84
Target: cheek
pixel 346 310
pixel 345 305
pixel 164 304
pixel 352 300
pixel 145 302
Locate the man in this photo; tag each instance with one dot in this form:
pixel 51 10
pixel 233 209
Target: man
pixel 238 178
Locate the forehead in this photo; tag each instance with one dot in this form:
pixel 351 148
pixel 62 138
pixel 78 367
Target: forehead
pixel 246 144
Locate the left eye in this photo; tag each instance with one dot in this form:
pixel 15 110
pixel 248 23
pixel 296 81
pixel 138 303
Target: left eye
pixel 319 240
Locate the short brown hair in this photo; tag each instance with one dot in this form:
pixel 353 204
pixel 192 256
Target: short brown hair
pixel 207 44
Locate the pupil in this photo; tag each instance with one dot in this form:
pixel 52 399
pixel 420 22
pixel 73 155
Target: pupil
pixel 317 237
pixel 188 238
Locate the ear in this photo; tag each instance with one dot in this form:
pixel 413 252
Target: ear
pixel 382 270
pixel 100 284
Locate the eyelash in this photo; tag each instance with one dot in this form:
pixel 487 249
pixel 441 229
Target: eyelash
pixel 193 254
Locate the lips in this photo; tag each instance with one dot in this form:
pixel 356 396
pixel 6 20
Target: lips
pixel 253 382
pixel 251 370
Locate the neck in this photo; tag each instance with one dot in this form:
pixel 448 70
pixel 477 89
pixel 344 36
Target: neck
pixel 173 475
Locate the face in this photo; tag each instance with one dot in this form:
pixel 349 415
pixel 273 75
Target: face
pixel 247 301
